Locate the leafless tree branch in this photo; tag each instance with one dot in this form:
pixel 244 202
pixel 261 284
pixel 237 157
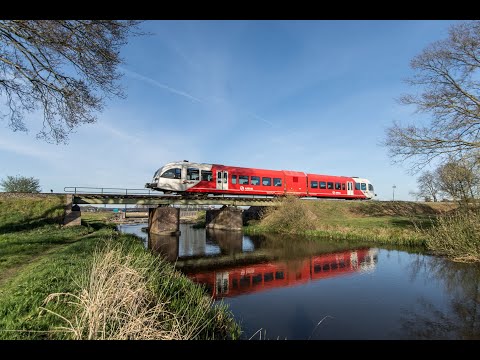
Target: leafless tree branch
pixel 447 75
pixel 66 68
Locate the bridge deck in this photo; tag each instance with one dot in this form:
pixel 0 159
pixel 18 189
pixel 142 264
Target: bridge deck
pixel 170 200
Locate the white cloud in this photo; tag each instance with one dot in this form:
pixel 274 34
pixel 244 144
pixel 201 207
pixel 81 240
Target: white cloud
pixel 33 150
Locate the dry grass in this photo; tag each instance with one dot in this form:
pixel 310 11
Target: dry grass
pixel 119 299
pixel 456 235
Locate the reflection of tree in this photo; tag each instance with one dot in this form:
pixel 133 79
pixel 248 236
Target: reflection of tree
pixel 462 319
pixel 289 247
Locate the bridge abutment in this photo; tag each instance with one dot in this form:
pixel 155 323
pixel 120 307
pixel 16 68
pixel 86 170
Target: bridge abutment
pixel 164 220
pixel 226 218
pixel 73 215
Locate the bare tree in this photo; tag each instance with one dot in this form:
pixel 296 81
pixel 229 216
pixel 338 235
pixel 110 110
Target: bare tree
pixel 65 68
pixel 428 186
pixel 447 74
pixel 460 180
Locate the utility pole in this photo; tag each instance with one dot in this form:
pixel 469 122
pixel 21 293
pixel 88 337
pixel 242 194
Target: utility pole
pixel 393 187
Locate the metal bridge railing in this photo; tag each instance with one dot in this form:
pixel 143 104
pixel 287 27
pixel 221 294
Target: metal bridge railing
pixel 108 191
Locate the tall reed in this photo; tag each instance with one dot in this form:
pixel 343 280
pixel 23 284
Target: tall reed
pixel 456 235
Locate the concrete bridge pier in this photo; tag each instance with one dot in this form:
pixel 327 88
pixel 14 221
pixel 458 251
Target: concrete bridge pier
pixel 226 218
pixel 164 220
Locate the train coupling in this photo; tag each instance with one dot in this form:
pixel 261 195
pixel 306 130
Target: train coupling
pixel 150 185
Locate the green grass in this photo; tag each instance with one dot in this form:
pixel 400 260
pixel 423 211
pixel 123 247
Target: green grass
pixel 98 217
pixel 29 212
pixel 22 296
pixel 39 257
pixel 373 221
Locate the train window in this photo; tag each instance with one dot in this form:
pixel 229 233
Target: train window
pixel 268 277
pixel 266 181
pixel 277 182
pixel 338 186
pixel 219 176
pixel 243 180
pixel 234 283
pixel 334 266
pixel 245 281
pixel 207 175
pixel 173 174
pixel 256 279
pixel 357 186
pixel 323 185
pixel 279 275
pixel 317 268
pixel 314 184
pixel 234 179
pixel 364 186
pixel 329 185
pixel 255 180
pixel 193 174
pixel 325 267
pixel 370 187
pixel 343 186
pixel 295 179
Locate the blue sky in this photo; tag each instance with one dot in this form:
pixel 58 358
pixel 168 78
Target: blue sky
pixel 313 96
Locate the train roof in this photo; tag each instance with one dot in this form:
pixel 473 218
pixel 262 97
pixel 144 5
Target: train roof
pixel 294 173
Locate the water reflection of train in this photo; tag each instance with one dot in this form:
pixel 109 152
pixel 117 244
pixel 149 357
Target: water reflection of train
pixel 240 280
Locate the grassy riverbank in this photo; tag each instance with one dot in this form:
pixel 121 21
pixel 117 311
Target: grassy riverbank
pixel 373 221
pixel 89 282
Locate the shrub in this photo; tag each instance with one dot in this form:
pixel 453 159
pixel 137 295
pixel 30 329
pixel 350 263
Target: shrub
pixel 456 235
pixel 290 216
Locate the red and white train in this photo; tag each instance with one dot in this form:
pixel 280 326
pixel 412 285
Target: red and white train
pixel 185 177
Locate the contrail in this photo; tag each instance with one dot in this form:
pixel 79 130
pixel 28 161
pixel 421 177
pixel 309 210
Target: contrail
pixel 160 85
pixel 179 92
pixel 260 118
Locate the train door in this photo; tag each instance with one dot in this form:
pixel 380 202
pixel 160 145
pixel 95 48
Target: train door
pixel 222 180
pixel 349 188
pixel 221 283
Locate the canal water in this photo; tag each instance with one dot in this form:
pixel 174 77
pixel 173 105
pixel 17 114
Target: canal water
pixel 283 287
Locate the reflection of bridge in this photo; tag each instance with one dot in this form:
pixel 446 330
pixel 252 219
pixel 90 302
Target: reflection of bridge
pixel 192 253
pixel 234 281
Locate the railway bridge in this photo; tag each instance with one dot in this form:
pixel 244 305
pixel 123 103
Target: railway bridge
pixel 164 210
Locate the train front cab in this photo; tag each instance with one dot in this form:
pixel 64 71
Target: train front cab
pixel 181 176
pixel 364 188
